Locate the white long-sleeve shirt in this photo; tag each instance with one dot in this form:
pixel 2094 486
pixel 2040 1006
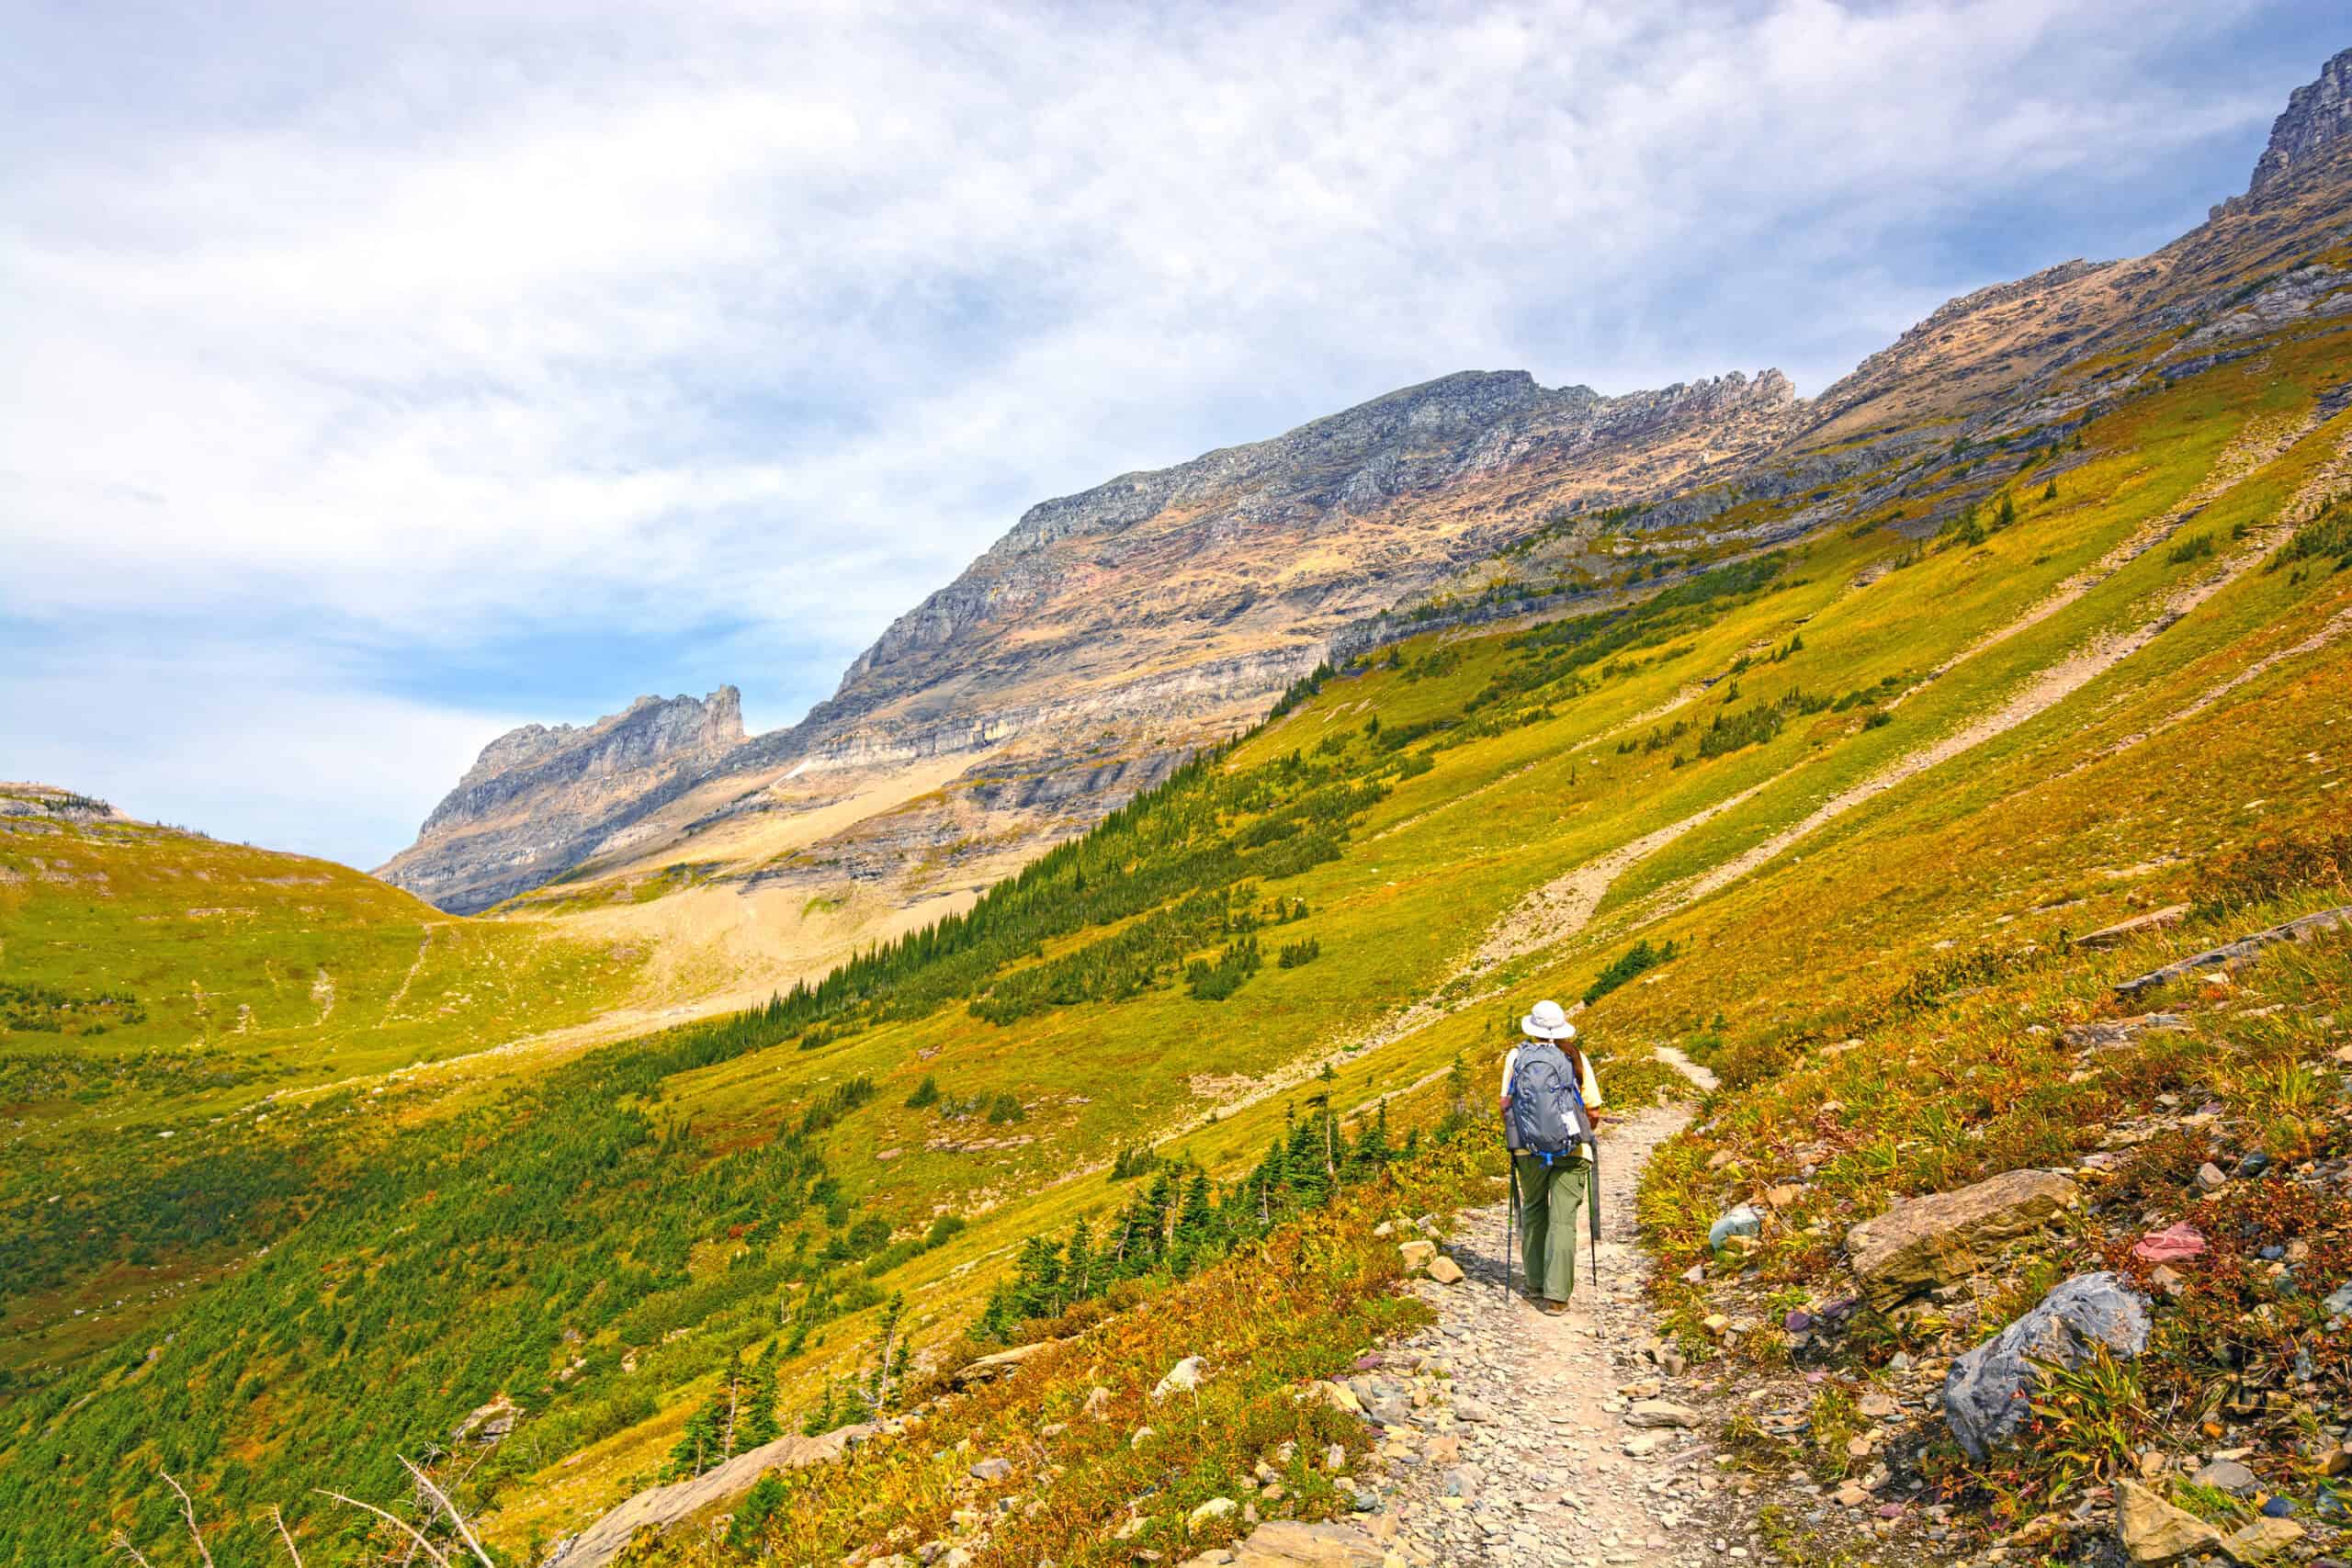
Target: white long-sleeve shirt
pixel 1587 1084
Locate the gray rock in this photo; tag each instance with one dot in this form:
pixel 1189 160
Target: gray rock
pixel 991 1470
pixel 2340 1303
pixel 1741 1221
pixel 2230 1476
pixel 1986 1394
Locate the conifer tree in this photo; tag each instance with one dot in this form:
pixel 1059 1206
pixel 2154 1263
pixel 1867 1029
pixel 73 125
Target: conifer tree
pixel 759 1424
pixel 751 1515
pixel 1196 1227
pixel 1370 1151
pixel 1038 1290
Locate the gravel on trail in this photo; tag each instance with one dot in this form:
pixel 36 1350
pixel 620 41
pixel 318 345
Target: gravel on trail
pixel 1511 1436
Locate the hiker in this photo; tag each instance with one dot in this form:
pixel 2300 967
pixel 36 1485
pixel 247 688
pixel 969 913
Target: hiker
pixel 1552 1185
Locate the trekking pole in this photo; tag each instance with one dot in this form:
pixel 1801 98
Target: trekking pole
pixel 1510 1217
pixel 1592 1205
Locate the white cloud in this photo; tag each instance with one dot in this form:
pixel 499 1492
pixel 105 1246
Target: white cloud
pixel 229 739
pixel 474 322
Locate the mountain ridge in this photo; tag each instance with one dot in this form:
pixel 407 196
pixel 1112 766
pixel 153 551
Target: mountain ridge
pixel 1023 640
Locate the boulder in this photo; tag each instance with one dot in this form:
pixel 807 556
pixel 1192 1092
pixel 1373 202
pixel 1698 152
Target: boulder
pixel 1948 1235
pixel 1184 1377
pixel 1415 1255
pixel 1098 1403
pixel 1988 1390
pixel 489 1422
pixel 1339 1396
pixel 1661 1412
pixel 2153 1531
pixel 991 1470
pixel 605 1540
pixel 2107 1034
pixel 1445 1271
pixel 2305 928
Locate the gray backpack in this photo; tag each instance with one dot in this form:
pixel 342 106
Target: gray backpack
pixel 1547 1112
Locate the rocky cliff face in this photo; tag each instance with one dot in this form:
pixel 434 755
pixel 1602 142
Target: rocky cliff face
pixel 1146 615
pixel 2317 116
pixel 540 799
pixel 1263 546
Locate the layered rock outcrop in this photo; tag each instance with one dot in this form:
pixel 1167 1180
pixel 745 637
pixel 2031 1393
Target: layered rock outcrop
pixel 540 799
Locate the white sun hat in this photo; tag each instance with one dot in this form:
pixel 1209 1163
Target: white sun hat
pixel 1548 1023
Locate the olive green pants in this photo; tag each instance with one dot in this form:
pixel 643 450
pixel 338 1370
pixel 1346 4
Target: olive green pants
pixel 1551 1212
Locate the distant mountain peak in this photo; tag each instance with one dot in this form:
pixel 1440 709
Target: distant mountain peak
pixel 2318 115
pixel 538 793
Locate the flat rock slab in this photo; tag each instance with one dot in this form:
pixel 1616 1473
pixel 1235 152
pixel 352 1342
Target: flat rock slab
pixel 2122 931
pixel 2302 930
pixel 2107 1034
pixel 1947 1236
pixel 605 1539
pixel 990 1368
pixel 1287 1543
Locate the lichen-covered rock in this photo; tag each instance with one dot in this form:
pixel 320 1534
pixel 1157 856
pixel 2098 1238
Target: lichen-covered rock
pixel 1948 1235
pixel 1988 1390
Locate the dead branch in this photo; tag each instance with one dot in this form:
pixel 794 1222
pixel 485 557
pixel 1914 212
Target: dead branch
pixel 122 1543
pixel 465 1530
pixel 284 1535
pixel 430 1550
pixel 188 1507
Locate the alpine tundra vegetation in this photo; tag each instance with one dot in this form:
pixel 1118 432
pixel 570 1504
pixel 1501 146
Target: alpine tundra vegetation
pixel 1930 796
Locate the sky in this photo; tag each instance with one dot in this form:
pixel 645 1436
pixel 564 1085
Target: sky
pixel 379 378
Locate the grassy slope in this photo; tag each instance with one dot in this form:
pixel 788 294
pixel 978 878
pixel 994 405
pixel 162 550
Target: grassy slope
pixel 244 974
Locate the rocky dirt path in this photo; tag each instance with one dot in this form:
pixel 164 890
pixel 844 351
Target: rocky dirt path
pixel 1516 1437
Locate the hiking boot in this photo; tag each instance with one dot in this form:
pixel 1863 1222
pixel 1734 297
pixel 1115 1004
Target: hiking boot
pixel 1554 1308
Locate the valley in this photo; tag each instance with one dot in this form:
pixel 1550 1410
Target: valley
pixel 1178 873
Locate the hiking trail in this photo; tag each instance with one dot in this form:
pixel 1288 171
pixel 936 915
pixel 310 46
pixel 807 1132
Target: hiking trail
pixel 1525 1454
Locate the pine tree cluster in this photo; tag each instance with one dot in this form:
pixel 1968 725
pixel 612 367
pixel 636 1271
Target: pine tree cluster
pixel 1184 1221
